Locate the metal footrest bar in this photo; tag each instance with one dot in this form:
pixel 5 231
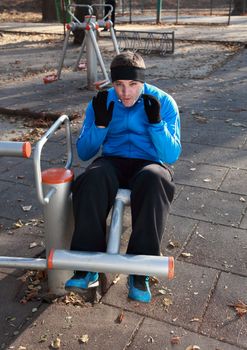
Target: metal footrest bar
pixel 146 42
pixel 114 263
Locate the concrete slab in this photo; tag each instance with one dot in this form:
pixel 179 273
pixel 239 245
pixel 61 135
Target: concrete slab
pixel 8 162
pixel 228 157
pixel 22 173
pixel 70 323
pixel 218 246
pixel 221 138
pixel 27 241
pixel 181 301
pixel 177 232
pixel 158 335
pixel 235 182
pixel 13 314
pixel 220 320
pixel 199 175
pixel 207 205
pixel 15 198
pixel 244 221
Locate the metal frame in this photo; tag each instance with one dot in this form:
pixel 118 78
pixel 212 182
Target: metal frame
pixel 60 262
pixel 146 42
pixel 93 54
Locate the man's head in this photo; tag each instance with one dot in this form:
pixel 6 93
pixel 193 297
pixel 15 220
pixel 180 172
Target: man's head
pixel 128 76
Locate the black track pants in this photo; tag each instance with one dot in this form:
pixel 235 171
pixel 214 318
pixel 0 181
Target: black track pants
pixel 94 192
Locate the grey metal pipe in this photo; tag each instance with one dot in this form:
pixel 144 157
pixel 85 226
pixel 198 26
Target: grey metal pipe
pixel 65 45
pixel 115 263
pixel 114 40
pixel 37 156
pixel 92 49
pixel 114 238
pixel 15 149
pixel 23 263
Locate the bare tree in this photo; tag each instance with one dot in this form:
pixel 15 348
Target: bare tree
pixel 48 11
pixel 240 7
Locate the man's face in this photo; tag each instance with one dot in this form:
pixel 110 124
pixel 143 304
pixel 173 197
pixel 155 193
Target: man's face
pixel 128 91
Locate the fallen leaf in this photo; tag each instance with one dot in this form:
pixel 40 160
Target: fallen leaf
pixel 84 339
pixel 242 199
pixel 162 291
pixel 33 245
pixel 26 207
pixel 193 347
pixel 153 280
pixel 172 244
pixel 43 338
pixel 167 302
pixel 195 319
pixel 237 124
pixel 186 255
pixel 207 180
pixel 56 344
pixel 150 339
pixel 240 308
pixel 120 317
pixel 175 340
pixel 116 279
pixel 200 119
pixel 18 224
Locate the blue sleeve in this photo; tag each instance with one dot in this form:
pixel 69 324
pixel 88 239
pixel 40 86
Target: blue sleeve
pixel 91 137
pixel 166 134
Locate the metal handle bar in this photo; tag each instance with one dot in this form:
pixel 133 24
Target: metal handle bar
pixel 15 149
pixel 37 157
pixel 90 11
pixel 104 5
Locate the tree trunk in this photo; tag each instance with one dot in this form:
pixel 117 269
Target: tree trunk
pixel 239 7
pixel 49 11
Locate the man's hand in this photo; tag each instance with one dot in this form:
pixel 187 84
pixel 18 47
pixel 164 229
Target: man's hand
pixel 152 108
pixel 103 115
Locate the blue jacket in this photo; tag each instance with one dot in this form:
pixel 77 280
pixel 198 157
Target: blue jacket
pixel 129 133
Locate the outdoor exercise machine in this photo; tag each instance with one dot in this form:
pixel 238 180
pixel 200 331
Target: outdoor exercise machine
pixel 93 54
pixel 54 193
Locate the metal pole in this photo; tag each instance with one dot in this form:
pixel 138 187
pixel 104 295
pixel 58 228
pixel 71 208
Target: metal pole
pixel 229 14
pixel 122 199
pixel 53 190
pixel 211 7
pixel 15 149
pixel 92 74
pixel 114 263
pixel 65 45
pixel 177 12
pixel 23 263
pixel 96 50
pixel 159 8
pixel 130 11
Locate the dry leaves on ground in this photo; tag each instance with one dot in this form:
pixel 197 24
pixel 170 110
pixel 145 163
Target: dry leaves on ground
pixel 240 308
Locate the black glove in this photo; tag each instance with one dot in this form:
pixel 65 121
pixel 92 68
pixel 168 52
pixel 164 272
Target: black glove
pixel 152 108
pixel 103 115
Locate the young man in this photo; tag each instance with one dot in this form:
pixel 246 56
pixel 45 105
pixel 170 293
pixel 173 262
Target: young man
pixel 138 127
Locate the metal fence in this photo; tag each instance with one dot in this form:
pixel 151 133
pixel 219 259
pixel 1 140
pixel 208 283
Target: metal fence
pixel 175 11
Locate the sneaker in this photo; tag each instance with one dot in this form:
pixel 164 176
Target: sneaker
pixel 139 288
pixel 83 280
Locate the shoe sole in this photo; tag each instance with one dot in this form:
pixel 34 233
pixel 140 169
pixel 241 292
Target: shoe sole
pixel 91 285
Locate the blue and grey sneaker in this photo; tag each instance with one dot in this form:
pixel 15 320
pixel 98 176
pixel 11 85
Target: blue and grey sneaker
pixel 139 288
pixel 82 280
